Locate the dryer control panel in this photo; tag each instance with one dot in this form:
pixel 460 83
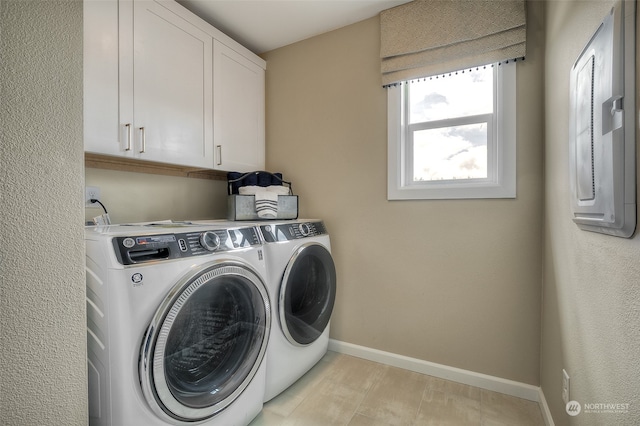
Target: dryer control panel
pixel 292 231
pixel 136 249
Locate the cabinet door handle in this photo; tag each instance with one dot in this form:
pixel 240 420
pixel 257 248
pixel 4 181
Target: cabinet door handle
pixel 128 127
pixel 143 140
pixel 219 148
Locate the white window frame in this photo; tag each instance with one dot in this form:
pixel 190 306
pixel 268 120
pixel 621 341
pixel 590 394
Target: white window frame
pixel 501 149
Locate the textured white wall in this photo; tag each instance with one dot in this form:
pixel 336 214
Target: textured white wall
pixel 42 304
pixel 591 305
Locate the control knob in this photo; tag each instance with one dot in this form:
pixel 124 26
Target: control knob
pixel 210 241
pixel 304 228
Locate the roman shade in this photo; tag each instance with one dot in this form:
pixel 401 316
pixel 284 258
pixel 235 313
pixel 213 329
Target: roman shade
pixel 430 37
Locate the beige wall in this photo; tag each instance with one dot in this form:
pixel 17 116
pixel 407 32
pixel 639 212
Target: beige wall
pixel 591 316
pixel 139 197
pixel 452 282
pixel 42 302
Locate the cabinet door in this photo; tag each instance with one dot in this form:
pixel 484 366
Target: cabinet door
pixel 101 122
pixel 238 119
pixel 172 87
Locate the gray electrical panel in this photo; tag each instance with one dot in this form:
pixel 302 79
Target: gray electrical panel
pixel 602 130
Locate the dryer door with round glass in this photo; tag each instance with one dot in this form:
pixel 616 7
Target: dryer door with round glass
pixel 307 294
pixel 206 342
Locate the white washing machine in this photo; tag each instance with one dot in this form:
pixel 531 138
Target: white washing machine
pixel 301 278
pixel 178 321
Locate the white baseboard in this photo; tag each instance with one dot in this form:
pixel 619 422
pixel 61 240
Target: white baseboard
pixel 483 381
pixel 546 413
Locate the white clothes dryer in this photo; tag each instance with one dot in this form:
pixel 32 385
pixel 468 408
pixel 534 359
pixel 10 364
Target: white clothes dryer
pixel 302 287
pixel 178 321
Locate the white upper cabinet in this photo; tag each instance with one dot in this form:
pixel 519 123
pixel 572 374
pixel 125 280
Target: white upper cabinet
pixel 165 90
pixel 238 107
pixel 149 88
pixel 100 56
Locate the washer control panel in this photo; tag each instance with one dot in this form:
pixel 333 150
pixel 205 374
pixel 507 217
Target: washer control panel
pixel 292 231
pixel 136 249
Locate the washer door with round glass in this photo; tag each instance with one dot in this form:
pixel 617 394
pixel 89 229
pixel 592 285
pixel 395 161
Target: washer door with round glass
pixel 307 294
pixel 206 342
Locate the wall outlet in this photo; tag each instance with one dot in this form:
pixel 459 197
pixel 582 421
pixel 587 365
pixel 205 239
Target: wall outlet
pixel 565 386
pixel 91 192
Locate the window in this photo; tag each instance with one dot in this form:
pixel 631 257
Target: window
pixel 453 136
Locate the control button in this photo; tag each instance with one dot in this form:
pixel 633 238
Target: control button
pixel 304 229
pixel 128 242
pixel 210 241
pixel 183 244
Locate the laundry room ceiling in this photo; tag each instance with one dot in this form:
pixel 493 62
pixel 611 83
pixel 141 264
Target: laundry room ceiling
pixel 263 25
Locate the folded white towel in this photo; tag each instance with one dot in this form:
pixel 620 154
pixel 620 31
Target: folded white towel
pixel 253 189
pixel 266 204
pixel 278 189
pixel 266 198
pixel 249 190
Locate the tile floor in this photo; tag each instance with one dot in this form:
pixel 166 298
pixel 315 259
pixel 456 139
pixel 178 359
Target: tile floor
pixel 345 390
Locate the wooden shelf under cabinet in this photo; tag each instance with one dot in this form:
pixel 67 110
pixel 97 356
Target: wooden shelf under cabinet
pixel 97 161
